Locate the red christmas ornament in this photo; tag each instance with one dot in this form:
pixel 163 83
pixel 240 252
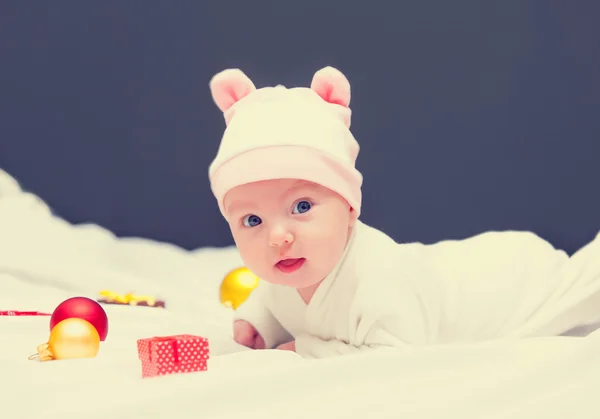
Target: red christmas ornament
pixel 83 308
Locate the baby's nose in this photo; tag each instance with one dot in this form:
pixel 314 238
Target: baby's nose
pixel 280 236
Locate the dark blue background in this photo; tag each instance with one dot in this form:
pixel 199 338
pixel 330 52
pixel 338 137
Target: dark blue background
pixel 471 115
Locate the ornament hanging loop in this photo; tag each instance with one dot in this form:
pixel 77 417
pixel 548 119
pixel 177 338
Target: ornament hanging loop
pixel 43 353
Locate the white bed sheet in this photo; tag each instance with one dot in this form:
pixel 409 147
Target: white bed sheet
pixel 44 260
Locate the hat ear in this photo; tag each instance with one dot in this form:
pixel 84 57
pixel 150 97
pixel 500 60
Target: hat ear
pixel 229 86
pixel 332 86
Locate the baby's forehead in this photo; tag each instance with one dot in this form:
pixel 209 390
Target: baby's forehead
pixel 279 186
pixel 270 190
pixel 296 184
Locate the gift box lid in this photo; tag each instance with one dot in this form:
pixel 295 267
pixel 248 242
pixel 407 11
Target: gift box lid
pixel 173 349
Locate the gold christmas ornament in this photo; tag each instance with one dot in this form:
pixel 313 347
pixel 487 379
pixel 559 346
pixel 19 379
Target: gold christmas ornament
pixel 71 338
pixel 237 286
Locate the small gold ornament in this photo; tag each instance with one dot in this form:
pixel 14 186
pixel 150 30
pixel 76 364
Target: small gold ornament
pixel 237 286
pixel 69 339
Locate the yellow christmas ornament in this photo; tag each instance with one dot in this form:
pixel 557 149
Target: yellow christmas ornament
pixel 237 286
pixel 69 339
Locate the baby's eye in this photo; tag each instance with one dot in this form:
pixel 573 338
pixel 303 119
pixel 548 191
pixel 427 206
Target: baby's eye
pixel 302 207
pixel 252 220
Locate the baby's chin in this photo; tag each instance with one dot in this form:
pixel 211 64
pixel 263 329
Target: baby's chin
pixel 297 280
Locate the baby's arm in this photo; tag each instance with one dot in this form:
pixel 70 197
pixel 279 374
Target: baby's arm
pixel 514 284
pixel 255 310
pixel 388 312
pixel 491 286
pixel 571 290
pixel 383 334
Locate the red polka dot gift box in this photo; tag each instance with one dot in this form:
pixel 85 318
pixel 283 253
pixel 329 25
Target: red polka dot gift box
pixel 173 355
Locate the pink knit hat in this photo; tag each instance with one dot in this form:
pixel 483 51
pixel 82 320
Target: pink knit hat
pixel 280 133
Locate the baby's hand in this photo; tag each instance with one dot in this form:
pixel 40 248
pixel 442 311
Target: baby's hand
pixel 290 346
pixel 245 334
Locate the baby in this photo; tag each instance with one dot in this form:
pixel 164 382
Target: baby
pixel 285 180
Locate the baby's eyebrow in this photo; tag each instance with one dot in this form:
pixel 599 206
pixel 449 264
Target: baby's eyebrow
pixel 237 206
pixel 298 187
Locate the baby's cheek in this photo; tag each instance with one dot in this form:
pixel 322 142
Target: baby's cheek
pixel 252 253
pixel 329 242
pixel 246 248
pixel 330 230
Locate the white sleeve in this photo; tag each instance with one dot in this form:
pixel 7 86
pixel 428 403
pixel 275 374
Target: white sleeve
pixel 393 314
pixel 572 293
pixel 256 311
pixel 513 285
pixel 379 337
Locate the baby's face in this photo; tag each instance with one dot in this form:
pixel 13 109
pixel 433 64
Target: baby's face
pixel 289 232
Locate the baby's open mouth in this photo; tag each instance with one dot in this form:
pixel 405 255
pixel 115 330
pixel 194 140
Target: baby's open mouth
pixel 290 265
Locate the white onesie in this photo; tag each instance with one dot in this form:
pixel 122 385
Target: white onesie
pixel 385 294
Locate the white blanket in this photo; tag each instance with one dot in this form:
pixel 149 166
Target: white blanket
pixel 44 260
